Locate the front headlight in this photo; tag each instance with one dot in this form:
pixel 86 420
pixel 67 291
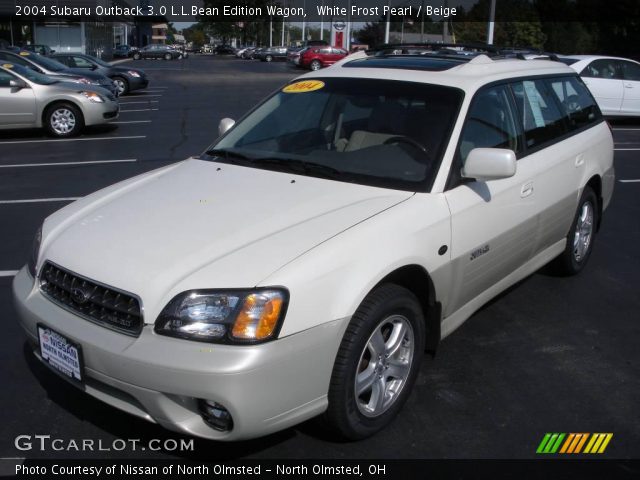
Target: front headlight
pixel 234 316
pixel 133 74
pixel 35 251
pixel 93 97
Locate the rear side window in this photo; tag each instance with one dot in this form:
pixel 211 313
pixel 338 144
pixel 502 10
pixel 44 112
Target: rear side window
pixel 579 107
pixel 630 71
pixel 539 114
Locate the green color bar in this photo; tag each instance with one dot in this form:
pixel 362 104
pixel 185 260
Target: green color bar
pixel 543 443
pixel 550 443
pixel 558 442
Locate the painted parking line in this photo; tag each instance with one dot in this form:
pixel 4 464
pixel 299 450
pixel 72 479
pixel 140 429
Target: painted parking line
pixel 131 121
pixel 56 164
pixel 140 110
pixel 626 129
pixel 39 200
pixel 9 273
pixel 145 96
pixel 635 180
pixel 13 142
pixel 627 149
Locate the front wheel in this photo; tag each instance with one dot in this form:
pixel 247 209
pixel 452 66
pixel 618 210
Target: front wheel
pixel 121 85
pixel 377 362
pixel 315 65
pixel 63 120
pixel 581 236
pixel 137 56
pixel 167 56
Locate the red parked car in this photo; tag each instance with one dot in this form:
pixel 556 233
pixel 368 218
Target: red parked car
pixel 321 56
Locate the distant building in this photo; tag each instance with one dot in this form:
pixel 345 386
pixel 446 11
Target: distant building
pixel 90 36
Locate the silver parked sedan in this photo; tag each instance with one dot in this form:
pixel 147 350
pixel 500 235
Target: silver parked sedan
pixel 30 99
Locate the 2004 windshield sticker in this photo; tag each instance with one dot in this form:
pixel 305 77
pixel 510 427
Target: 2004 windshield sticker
pixel 303 86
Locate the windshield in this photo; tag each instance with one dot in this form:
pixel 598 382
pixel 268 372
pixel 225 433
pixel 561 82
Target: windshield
pixel 374 132
pixel 31 75
pixel 567 61
pixel 49 64
pixel 99 61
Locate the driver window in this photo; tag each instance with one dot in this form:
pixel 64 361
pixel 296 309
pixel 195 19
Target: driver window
pixel 490 123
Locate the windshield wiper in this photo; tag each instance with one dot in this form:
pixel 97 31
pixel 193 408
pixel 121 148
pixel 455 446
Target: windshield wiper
pixel 300 166
pixel 227 154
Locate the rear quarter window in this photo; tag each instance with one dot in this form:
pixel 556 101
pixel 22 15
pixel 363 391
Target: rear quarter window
pixel 579 107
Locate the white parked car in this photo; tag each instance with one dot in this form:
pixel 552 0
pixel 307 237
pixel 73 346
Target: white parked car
pixel 614 82
pixel 306 261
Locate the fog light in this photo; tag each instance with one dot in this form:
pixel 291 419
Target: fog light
pixel 215 415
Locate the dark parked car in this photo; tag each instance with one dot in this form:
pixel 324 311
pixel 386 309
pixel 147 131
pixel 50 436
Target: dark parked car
pixel 157 51
pixel 272 53
pixel 224 50
pixel 39 49
pixel 126 79
pixel 53 68
pixel 124 51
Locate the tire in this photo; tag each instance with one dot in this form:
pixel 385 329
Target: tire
pixel 385 338
pixel 315 65
pixel 122 85
pixel 63 120
pixel 137 56
pixel 268 58
pixel 168 56
pixel 581 236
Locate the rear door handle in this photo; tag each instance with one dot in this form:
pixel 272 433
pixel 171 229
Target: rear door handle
pixel 526 190
pixel 580 160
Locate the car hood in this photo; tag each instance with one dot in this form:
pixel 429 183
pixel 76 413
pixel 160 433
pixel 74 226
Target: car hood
pixel 83 72
pixel 201 224
pixel 64 86
pixel 125 70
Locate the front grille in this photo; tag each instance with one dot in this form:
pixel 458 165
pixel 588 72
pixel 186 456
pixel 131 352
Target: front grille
pixel 98 303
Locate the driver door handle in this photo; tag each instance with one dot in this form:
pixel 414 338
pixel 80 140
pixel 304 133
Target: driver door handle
pixel 526 190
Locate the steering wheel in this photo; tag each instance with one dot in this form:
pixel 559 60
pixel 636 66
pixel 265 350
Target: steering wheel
pixel 407 140
pixel 572 104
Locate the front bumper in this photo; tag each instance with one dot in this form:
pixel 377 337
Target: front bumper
pixel 137 83
pixel 265 387
pixel 98 113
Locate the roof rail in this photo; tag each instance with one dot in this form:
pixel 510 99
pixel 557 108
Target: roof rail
pixel 436 47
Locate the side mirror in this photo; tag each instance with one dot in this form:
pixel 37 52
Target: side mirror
pixel 225 124
pixel 93 67
pixel 17 84
pixel 53 51
pixel 490 164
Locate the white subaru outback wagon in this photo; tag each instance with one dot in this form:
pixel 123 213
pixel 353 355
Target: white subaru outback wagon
pixel 309 258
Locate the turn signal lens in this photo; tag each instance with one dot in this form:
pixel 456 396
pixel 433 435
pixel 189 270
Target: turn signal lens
pixel 258 318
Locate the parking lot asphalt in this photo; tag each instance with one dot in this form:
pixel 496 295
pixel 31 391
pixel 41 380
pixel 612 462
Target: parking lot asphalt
pixel 549 355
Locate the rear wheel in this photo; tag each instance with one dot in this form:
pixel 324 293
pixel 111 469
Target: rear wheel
pixel 63 120
pixel 167 56
pixel 268 58
pixel 315 65
pixel 581 236
pixel 377 362
pixel 137 56
pixel 121 85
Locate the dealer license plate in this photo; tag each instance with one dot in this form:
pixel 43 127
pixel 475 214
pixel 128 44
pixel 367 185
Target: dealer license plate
pixel 60 353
